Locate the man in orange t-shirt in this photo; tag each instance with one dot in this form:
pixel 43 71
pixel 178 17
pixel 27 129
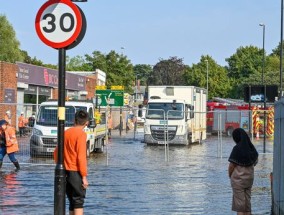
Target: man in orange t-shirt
pixel 75 162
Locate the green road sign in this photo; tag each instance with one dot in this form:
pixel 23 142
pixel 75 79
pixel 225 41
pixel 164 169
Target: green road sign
pixel 110 97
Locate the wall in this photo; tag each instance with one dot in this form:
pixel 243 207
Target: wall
pixel 91 86
pixel 8 89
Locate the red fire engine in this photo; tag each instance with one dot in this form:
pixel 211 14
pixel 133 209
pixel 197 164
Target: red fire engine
pixel 226 117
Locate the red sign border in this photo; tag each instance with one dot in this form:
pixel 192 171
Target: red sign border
pixel 77 30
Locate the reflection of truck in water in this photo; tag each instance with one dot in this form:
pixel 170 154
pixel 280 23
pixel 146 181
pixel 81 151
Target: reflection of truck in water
pixel 175 114
pixel 44 134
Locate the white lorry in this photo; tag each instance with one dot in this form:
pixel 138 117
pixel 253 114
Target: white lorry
pixel 175 115
pixel 44 133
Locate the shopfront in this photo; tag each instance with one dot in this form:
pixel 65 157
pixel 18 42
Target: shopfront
pixel 38 84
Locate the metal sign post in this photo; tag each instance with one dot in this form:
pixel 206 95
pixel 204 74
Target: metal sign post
pixel 60 24
pixel 59 180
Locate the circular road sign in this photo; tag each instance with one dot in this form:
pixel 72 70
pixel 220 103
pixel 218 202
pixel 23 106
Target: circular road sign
pixel 58 23
pixel 82 33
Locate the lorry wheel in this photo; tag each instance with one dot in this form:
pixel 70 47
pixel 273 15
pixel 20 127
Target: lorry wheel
pixel 189 139
pixel 230 131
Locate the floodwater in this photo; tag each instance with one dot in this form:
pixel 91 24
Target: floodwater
pixel 133 178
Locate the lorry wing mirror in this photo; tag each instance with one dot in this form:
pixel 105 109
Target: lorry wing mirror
pixel 92 123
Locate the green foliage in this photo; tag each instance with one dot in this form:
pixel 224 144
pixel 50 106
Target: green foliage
pixel 77 63
pixel 117 67
pixel 9 45
pixel 245 63
pixel 276 51
pixel 218 81
pixel 143 72
pixel 168 72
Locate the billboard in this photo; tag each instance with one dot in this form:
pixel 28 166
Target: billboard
pixel 256 93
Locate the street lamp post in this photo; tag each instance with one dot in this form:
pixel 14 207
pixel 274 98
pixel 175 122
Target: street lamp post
pixel 136 87
pixel 207 78
pixel 263 55
pixel 281 50
pixel 262 79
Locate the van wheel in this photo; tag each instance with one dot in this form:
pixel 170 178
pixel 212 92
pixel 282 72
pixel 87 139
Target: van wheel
pixel 32 153
pixel 230 131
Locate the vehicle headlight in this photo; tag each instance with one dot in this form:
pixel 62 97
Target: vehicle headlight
pixel 37 132
pixel 147 128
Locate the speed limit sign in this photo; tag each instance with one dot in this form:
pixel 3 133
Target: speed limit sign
pixel 58 23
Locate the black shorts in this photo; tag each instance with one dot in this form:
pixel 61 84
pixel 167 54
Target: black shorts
pixel 74 190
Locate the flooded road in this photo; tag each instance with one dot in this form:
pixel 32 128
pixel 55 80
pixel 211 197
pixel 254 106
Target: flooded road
pixel 133 178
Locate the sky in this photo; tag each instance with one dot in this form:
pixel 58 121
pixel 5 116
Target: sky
pixel 147 31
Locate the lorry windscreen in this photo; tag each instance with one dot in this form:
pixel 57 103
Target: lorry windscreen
pixel 165 111
pixel 48 115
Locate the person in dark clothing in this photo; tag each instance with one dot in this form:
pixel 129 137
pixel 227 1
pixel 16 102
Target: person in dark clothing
pixel 242 160
pixel 31 121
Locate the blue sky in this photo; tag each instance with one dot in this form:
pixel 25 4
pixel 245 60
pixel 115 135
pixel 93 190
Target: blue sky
pixel 150 30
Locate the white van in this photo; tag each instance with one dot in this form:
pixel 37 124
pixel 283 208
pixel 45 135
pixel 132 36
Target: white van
pixel 44 133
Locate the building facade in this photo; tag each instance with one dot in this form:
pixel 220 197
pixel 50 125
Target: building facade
pixel 24 86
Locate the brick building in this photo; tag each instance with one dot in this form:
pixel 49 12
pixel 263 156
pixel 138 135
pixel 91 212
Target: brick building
pixel 24 86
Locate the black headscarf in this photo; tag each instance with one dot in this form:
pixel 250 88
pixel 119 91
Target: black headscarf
pixel 244 152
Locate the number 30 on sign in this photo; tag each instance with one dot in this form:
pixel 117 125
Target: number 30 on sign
pixel 58 23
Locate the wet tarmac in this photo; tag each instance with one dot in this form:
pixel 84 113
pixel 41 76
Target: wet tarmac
pixel 133 178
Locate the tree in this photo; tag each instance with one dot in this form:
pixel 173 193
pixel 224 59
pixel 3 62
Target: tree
pixel 117 67
pixel 168 72
pixel 9 45
pixel 276 51
pixel 271 73
pixel 35 61
pixel 142 71
pixel 246 62
pixel 77 63
pixel 218 81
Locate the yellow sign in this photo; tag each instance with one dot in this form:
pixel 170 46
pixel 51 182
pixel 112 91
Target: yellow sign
pixel 126 98
pixel 117 87
pixel 100 87
pixel 61 113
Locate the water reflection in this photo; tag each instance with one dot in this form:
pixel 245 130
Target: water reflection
pixel 135 179
pixel 9 187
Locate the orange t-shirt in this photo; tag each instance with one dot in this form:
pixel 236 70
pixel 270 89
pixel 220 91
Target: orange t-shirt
pixel 75 150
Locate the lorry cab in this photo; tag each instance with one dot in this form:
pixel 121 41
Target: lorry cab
pixel 175 115
pixel 44 134
pixel 170 115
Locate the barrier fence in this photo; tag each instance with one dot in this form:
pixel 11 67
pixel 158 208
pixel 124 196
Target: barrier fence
pixel 126 124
